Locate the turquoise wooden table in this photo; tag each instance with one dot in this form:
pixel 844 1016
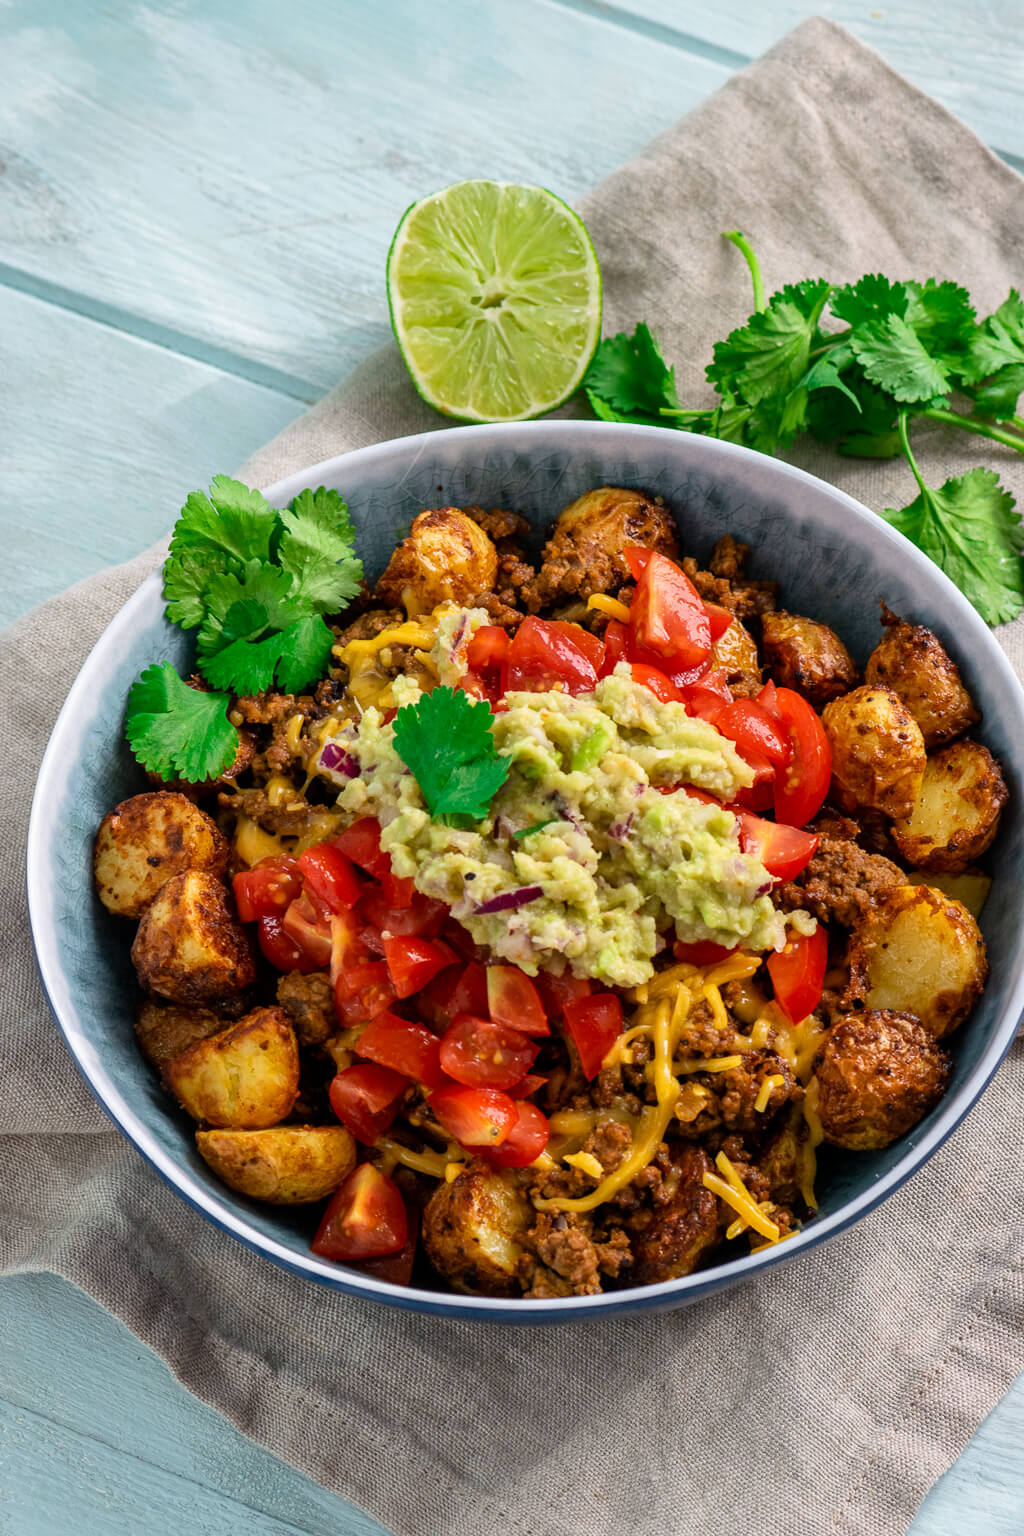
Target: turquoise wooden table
pixel 196 198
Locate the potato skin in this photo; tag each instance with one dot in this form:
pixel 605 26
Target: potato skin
pixel 143 842
pixel 584 553
pixel 245 1078
pixel 917 952
pixel 282 1165
pixel 473 1230
pixel 806 656
pixel 682 1232
pixel 878 756
pixel 912 661
pixel 447 557
pixel 163 1031
pixel 956 815
pixel 879 1073
pixel 189 947
pixel 736 651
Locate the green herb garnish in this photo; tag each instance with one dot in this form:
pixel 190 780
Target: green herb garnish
pixel 538 826
pixel 177 731
pixel 445 740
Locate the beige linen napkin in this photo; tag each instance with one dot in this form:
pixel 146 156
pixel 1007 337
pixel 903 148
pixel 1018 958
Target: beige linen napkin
pixel 825 1397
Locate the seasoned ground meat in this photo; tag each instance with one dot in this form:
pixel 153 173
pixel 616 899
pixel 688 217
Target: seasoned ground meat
pixel 584 554
pixel 370 624
pixel 878 1074
pixel 290 820
pixel 842 882
pixel 570 1247
pixel 309 1000
pixel 672 1238
pixel 729 558
pixel 609 1143
pixel 506 530
pixel 746 599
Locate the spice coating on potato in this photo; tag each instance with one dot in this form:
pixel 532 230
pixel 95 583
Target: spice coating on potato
pixel 473 1230
pixel 735 650
pixel 806 656
pixel 447 557
pixel 683 1230
pixel 143 842
pixel 912 661
pixel 584 553
pixel 878 756
pixel 878 1073
pixel 918 952
pixel 247 1077
pixel 165 1030
pixel 282 1165
pixel 956 814
pixel 190 948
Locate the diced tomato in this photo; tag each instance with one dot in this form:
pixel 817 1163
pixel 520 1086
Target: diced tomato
pixel 361 843
pixel 594 1023
pixel 397 892
pixel 366 1218
pixel 365 1097
pixel 476 1117
pixel 657 683
pixel 759 796
pixel 280 950
pixel 310 929
pixel 422 916
pixel 524 1143
pixel 784 851
pixel 616 639
pixel 461 940
pixel 477 687
pixel 545 652
pixel 754 731
pixel 719 620
pixel 329 878
pixel 413 962
pixel 767 699
pixel 267 888
pixel 488 648
pixel 526 1085
pixel 396 1268
pixel 482 1054
pixel 363 992
pixel 667 615
pixel 703 952
pixel 405 1047
pixel 703 703
pixel 801 789
pixel 348 944
pixel 556 991
pixel 513 999
pixel 452 992
pixel 798 974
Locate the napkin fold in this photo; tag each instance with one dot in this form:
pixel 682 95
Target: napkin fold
pixel 823 1398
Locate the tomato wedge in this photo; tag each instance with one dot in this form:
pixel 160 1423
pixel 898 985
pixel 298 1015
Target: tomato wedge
pixel 488 647
pixel 396 1268
pixel 422 916
pixel 512 999
pixel 329 878
pixel 719 619
pixel 704 703
pixel 544 653
pixel 524 1143
pixel 526 1085
pixel 703 952
pixel 476 1117
pixel 594 1023
pixel 413 962
pixel 616 643
pixel 267 888
pixel 667 615
pixel 365 1097
pixel 784 851
pixel 307 927
pixel 754 731
pixel 348 945
pixel 363 992
pixel 283 952
pixel 798 974
pixel 801 789
pixel 556 991
pixel 453 992
pixel 404 1047
pixel 366 1218
pixel 397 892
pixel 481 1054
pixel 657 683
pixel 361 843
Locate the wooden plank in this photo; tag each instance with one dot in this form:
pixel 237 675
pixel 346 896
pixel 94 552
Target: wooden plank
pixel 100 440
pixel 235 178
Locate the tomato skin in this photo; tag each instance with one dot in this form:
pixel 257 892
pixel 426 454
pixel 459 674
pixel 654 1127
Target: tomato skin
pixel 531 1083
pixel 310 929
pixel 616 642
pixel 397 891
pixel 365 1097
pixel 556 991
pixel 477 687
pixel 422 917
pixel 784 851
pixel 544 653
pixel 361 843
pixel 280 950
pixel 407 1048
pixel 594 1023
pixel 768 700
pixel 657 683
pixel 753 731
pixel 488 647
pixel 667 615
pixel 513 1000
pixel 396 1268
pixel 329 878
pixel 365 1219
pixel 703 703
pixel 476 1117
pixel 267 888
pixel 719 619
pixel 363 992
pixel 413 962
pixel 759 796
pixel 703 952
pixel 453 992
pixel 481 1054
pixel 348 944
pixel 801 788
pixel 525 1141
pixel 798 974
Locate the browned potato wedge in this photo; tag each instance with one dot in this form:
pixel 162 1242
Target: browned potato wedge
pixel 584 553
pixel 878 1073
pixel 913 662
pixel 473 1227
pixel 918 952
pixel 246 1077
pixel 806 656
pixel 878 755
pixel 970 889
pixel 446 557
pixel 684 1230
pixel 956 813
pixel 284 1165
pixel 189 946
pixel 736 651
pixel 146 840
pixel 164 1030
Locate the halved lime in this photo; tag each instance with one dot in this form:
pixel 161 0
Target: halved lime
pixel 495 297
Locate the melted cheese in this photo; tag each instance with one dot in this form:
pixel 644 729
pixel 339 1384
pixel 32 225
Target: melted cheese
pixel 743 1203
pixel 708 1063
pixel 813 1139
pixel 368 682
pixel 586 1162
pixel 434 1163
pixel 609 605
pixel 764 1093
pixel 253 843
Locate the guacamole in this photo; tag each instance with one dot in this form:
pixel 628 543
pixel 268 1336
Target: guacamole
pixel 615 867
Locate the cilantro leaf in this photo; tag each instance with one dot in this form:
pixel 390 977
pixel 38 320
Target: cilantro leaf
pixel 894 357
pixel 629 380
pixel 999 395
pixel 769 355
pixel 941 313
pixel 316 548
pixel 872 297
pixel 998 341
pixel 177 731
pixel 446 742
pixel 826 372
pixel 538 826
pixel 215 533
pixel 970 529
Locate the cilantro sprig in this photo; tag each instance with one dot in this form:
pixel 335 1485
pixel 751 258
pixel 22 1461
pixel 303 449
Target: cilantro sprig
pixel 445 740
pixel 855 365
pixel 255 583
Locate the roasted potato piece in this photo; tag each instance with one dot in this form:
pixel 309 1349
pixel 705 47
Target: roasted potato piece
pixel 447 557
pixel 682 1232
pixel 190 947
pixel 284 1165
pixel 878 1074
pixel 970 889
pixel 736 651
pixel 918 952
pixel 806 656
pixel 912 661
pixel 473 1230
pixel 246 1077
pixel 164 1030
pixel 878 755
pixel 584 553
pixel 146 840
pixel 957 811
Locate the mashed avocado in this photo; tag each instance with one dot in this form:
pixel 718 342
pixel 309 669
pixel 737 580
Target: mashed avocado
pixel 615 866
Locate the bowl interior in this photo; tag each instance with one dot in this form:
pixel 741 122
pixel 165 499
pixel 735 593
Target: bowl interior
pixel 835 561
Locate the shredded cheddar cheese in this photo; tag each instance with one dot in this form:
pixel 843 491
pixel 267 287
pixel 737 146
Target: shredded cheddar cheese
pixel 435 1164
pixel 764 1093
pixel 368 683
pixel 609 605
pixel 586 1162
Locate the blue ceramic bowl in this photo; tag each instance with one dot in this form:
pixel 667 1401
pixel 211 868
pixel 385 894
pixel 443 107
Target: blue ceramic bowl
pixel 835 560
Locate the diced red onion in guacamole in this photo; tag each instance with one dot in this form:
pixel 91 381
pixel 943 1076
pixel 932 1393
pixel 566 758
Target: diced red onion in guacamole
pixel 509 901
pixel 336 760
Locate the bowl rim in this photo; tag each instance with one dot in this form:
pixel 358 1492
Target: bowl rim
pixel 53 776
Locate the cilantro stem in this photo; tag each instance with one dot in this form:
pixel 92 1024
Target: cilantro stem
pixel 746 250
pixel 826 346
pixel 908 453
pixel 971 424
